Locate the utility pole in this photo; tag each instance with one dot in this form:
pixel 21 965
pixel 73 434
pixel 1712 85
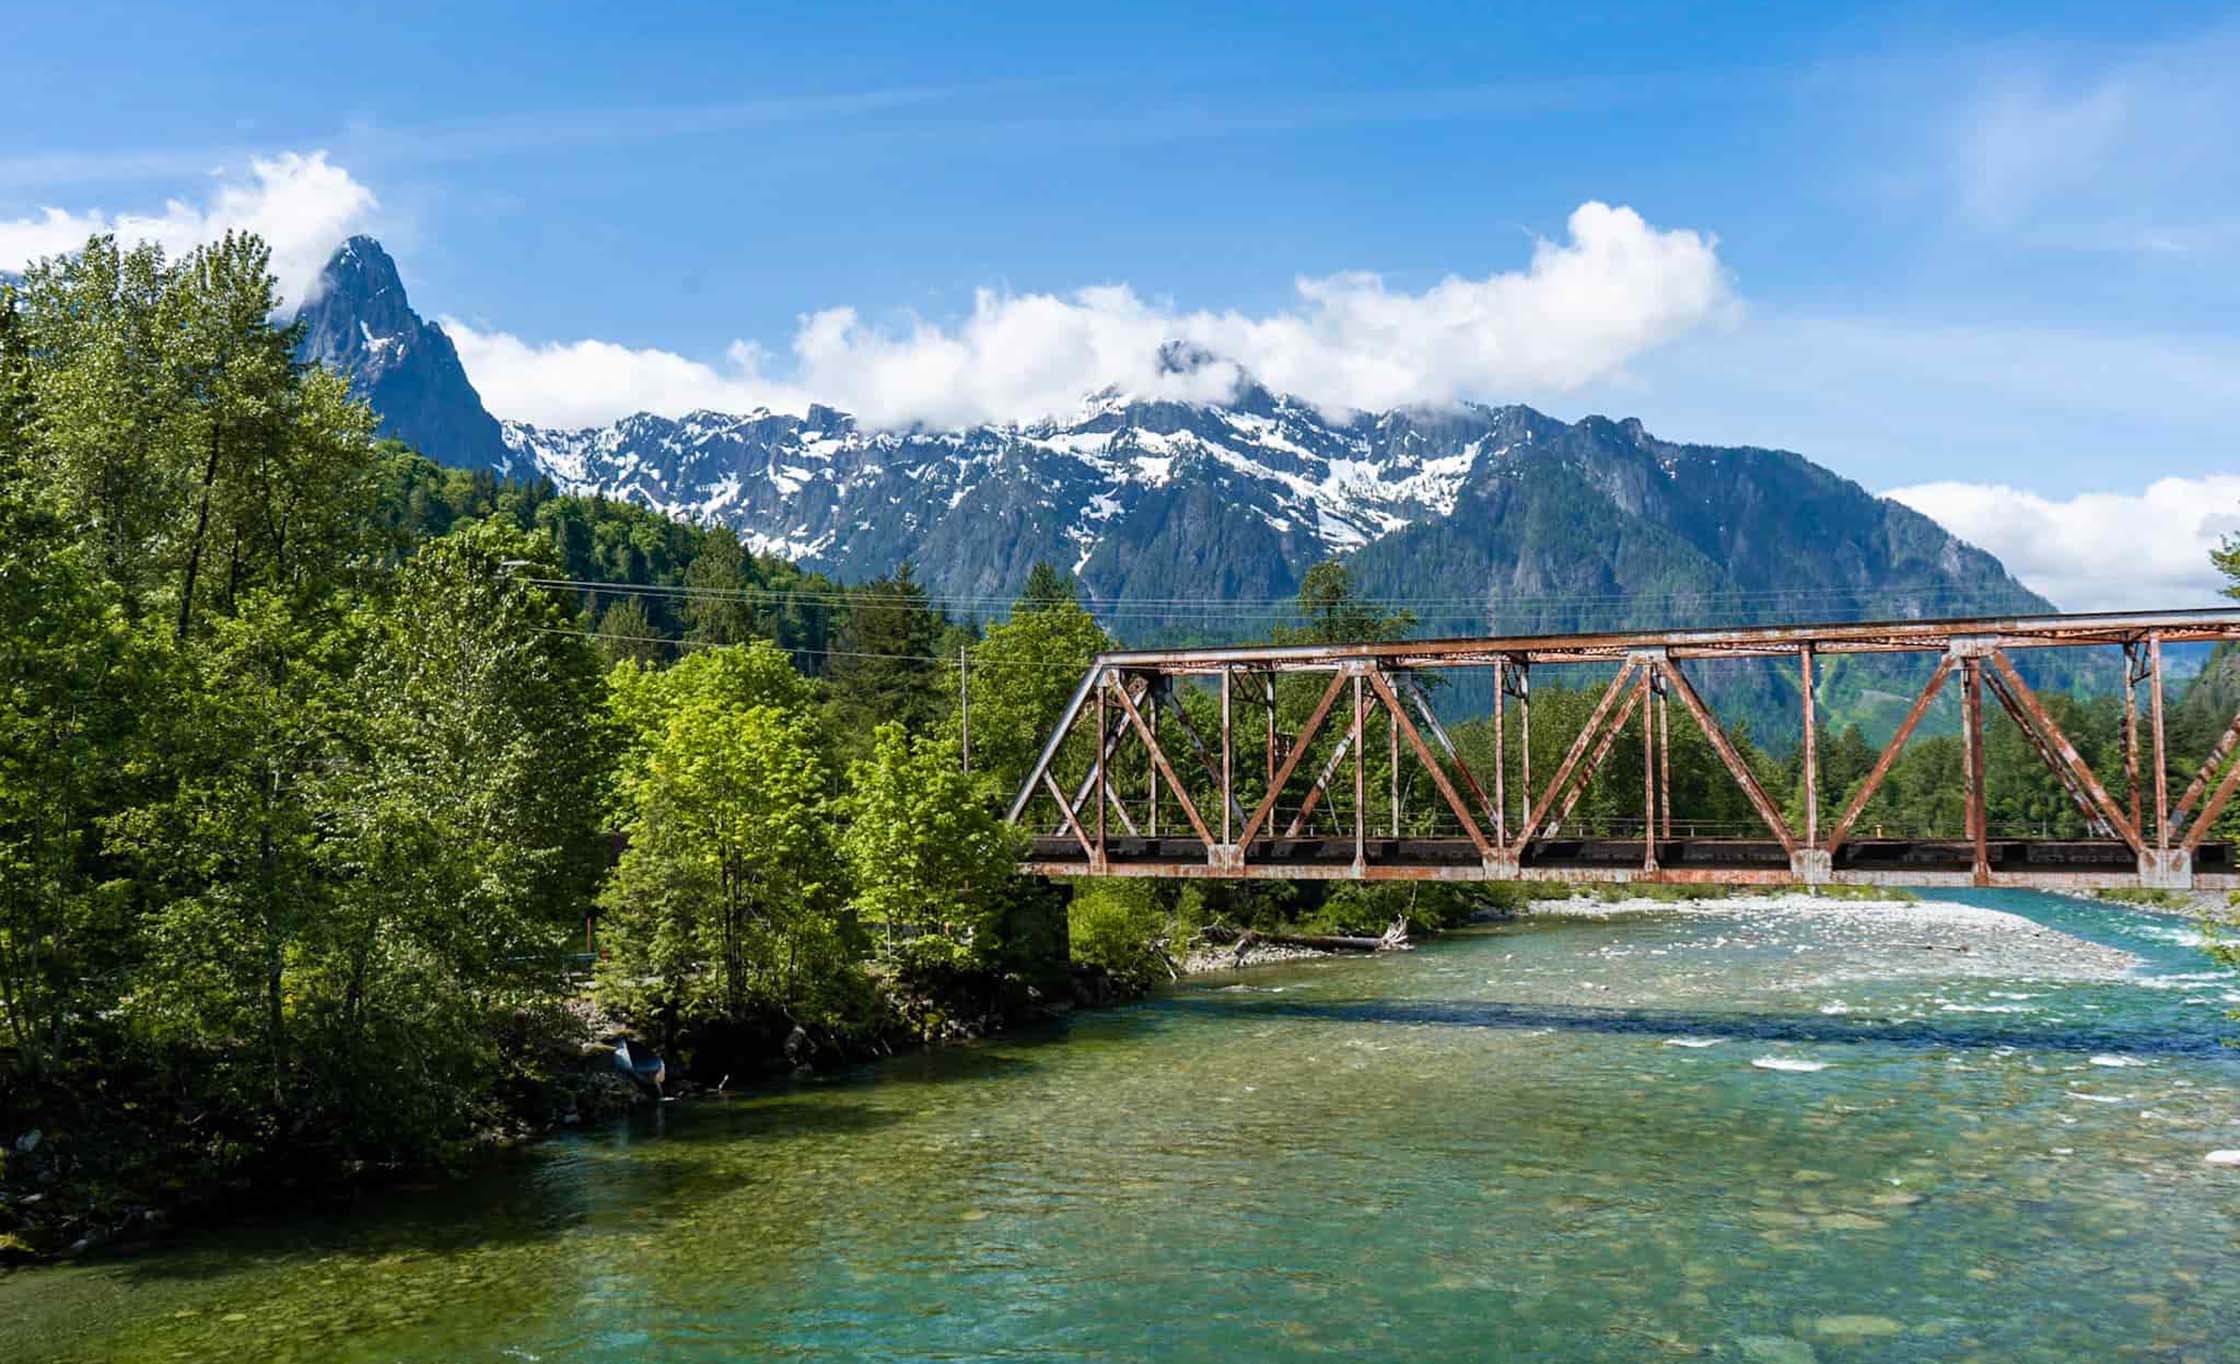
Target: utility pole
pixel 964 707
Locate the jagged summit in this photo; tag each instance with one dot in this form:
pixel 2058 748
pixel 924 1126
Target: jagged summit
pixel 358 322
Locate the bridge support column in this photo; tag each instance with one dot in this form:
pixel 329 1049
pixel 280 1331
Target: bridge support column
pixel 1227 857
pixel 1812 866
pixel 2166 869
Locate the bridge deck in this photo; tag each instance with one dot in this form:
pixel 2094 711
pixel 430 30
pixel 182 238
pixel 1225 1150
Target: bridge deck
pixel 2044 864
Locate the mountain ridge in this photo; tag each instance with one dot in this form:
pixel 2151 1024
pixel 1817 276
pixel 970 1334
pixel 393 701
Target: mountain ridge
pixel 1509 520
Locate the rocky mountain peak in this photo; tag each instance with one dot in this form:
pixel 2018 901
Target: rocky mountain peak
pixel 359 323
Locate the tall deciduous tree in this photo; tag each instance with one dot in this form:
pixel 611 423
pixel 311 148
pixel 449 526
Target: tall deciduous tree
pixel 931 861
pixel 727 902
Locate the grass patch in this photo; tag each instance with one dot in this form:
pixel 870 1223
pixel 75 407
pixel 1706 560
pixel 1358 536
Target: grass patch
pixel 2148 898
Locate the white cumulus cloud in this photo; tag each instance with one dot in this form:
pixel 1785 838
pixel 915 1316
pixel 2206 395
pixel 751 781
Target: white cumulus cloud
pixel 1577 313
pixel 303 205
pixel 2097 551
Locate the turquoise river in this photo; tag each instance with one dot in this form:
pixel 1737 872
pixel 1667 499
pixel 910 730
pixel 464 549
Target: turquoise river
pixel 1761 1134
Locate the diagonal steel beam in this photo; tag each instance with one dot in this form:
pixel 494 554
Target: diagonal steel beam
pixel 1740 770
pixel 1072 820
pixel 2095 822
pixel 1601 751
pixel 1407 730
pixel 1102 766
pixel 1439 735
pixel 2217 754
pixel 2067 751
pixel 1587 734
pixel 1291 760
pixel 2210 811
pixel 1181 715
pixel 1881 767
pixel 1058 737
pixel 1321 785
pixel 1159 759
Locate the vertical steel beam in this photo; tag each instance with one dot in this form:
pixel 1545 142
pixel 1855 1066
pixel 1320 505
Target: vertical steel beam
pixel 1392 770
pixel 1360 784
pixel 1268 685
pixel 1648 781
pixel 1971 762
pixel 1228 791
pixel 2131 726
pixel 1102 787
pixel 1151 769
pixel 1500 763
pixel 1811 752
pixel 1524 746
pixel 1664 755
pixel 2161 753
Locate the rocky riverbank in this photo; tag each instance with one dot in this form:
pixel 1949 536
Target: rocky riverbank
pixel 1943 937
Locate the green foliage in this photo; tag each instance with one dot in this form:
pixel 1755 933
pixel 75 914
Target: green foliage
pixel 1334 613
pixel 885 667
pixel 1024 671
pixel 728 902
pixel 1118 926
pixel 931 860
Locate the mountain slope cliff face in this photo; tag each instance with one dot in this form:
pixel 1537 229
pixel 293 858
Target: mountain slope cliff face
pixel 358 323
pixel 1494 519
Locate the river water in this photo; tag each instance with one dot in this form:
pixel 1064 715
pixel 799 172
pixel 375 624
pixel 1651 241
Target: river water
pixel 1758 1136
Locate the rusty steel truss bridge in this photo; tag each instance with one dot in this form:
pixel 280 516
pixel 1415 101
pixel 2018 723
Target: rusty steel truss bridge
pixel 1252 813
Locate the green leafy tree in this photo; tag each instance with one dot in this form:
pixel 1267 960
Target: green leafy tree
pixel 885 666
pixel 626 633
pixel 722 607
pixel 1334 613
pixel 728 901
pixel 642 699
pixel 931 862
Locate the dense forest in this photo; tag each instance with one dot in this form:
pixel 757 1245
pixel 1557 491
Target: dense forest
pixel 349 802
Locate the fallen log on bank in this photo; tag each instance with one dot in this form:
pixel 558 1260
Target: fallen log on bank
pixel 1395 939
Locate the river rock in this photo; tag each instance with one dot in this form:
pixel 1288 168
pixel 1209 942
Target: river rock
pixel 1775 1350
pixel 1857 1325
pixel 2223 1157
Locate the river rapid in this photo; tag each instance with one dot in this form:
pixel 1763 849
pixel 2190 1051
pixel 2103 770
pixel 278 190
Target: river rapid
pixel 1756 1134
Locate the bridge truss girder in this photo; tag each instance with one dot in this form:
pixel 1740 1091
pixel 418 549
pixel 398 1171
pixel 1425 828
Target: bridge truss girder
pixel 1126 695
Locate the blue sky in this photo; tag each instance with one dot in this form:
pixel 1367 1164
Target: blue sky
pixel 1985 255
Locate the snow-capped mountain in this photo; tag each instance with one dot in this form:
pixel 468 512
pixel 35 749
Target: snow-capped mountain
pixel 1507 518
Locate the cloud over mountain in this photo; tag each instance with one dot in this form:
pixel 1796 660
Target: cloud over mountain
pixel 2097 551
pixel 302 204
pixel 1578 312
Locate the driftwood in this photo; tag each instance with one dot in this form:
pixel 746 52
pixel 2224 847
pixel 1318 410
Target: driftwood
pixel 1395 939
